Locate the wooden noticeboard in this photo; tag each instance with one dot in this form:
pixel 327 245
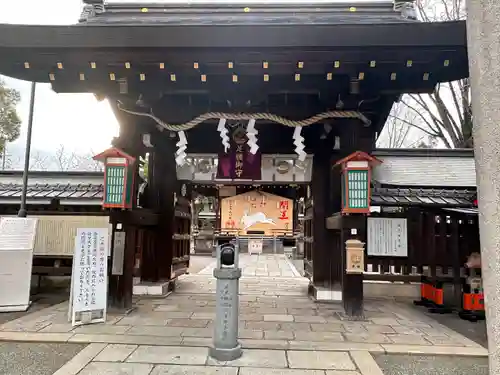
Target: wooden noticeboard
pixel 17 239
pixel 387 237
pixel 89 281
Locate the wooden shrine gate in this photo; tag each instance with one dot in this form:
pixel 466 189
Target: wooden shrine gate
pixel 171 83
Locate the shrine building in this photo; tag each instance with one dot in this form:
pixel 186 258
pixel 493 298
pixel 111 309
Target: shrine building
pixel 260 106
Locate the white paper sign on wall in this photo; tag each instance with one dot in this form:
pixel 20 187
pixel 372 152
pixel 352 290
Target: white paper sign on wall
pixel 17 240
pixel 255 246
pixel 89 284
pixel 387 237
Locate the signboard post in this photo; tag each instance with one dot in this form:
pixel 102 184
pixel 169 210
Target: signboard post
pixel 89 281
pixel 17 240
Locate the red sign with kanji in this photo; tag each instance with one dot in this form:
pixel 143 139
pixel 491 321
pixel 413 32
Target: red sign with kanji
pixel 283 205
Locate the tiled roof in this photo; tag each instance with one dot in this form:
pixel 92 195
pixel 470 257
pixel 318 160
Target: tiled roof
pixel 86 188
pixel 397 196
pixel 271 12
pixel 75 193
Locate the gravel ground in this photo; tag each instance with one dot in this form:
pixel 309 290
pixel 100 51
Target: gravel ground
pixel 35 358
pixel 431 365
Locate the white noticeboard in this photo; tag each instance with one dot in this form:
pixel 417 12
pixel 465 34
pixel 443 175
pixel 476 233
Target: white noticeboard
pixel 118 254
pixel 387 237
pixel 89 279
pixel 255 246
pixel 17 240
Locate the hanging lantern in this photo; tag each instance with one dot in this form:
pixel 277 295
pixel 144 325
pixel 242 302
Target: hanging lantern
pixel 119 178
pixel 356 182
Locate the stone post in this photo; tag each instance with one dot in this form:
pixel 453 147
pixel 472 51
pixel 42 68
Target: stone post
pixel 227 273
pixel 483 29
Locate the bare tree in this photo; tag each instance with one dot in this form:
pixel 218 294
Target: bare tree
pixel 446 114
pixel 39 162
pixel 397 132
pixel 86 162
pixel 65 161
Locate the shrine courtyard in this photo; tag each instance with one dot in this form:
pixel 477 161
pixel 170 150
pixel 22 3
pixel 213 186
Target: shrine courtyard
pixel 282 331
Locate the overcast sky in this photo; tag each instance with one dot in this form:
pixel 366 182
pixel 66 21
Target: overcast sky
pixel 76 120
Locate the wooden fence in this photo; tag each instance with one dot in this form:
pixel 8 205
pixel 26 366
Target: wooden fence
pixel 439 242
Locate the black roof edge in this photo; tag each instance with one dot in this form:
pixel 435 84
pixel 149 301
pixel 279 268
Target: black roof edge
pixel 471 189
pixel 54 173
pixel 425 152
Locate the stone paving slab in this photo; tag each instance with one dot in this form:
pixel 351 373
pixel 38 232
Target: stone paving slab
pixel 282 322
pixel 193 370
pixel 255 323
pixel 98 359
pixel 281 331
pixel 111 368
pixel 320 360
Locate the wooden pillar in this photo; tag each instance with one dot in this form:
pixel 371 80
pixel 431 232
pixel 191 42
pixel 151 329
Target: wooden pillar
pixel 218 224
pixel 355 136
pixel 166 185
pixel 335 242
pixel 121 286
pixel 353 228
pixel 156 259
pixel 456 260
pixel 149 262
pixel 320 195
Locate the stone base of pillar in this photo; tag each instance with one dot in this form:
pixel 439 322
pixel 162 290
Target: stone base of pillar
pixel 323 294
pixel 225 354
pixel 158 289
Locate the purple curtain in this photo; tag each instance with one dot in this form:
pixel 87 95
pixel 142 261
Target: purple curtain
pixel 239 164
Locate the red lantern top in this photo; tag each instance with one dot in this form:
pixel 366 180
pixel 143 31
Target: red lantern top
pixel 114 152
pixel 358 156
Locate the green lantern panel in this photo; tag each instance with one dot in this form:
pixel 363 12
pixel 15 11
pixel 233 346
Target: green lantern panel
pixel 115 184
pixel 357 189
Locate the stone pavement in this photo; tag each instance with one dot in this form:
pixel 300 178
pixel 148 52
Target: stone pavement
pixel 280 329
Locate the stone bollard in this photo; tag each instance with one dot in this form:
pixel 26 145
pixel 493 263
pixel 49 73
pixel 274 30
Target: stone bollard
pixel 225 342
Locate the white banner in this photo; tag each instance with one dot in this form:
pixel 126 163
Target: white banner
pixel 387 237
pixel 17 240
pixel 89 283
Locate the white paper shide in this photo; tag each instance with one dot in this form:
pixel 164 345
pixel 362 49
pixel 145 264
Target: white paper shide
pixel 89 279
pixel 387 237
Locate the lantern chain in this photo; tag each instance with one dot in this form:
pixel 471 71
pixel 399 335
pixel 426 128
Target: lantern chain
pixel 249 116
